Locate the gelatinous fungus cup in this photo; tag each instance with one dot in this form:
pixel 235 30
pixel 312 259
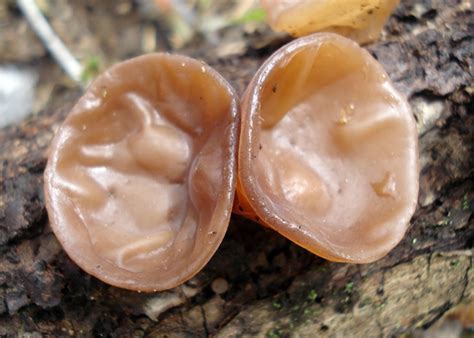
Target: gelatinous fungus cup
pixel 360 20
pixel 141 176
pixel 328 152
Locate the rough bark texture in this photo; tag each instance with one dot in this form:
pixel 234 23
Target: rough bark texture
pixel 275 288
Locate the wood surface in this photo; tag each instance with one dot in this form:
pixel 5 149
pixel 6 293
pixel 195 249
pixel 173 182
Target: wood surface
pixel 275 288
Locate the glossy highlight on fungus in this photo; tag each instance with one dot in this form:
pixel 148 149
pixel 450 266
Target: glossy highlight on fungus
pixel 328 152
pixel 141 176
pixel 360 20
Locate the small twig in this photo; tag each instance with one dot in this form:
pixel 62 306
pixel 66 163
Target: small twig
pixel 53 43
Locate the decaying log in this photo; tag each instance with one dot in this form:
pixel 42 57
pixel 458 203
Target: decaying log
pixel 276 289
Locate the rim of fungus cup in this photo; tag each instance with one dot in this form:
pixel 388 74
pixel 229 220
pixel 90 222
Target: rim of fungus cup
pixel 225 195
pixel 248 148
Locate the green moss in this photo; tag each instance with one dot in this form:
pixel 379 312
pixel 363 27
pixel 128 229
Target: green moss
pixel 92 66
pixel 274 333
pixel 312 295
pixel 309 312
pixel 380 306
pixel 349 288
pixel 465 202
pixel 455 263
pixel 252 15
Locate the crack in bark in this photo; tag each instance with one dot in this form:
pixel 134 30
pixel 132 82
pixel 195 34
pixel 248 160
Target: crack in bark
pixel 466 280
pixel 428 268
pixel 204 321
pixel 438 313
pixel 448 305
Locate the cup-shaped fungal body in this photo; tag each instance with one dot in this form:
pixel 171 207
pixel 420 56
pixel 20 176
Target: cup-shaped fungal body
pixel 328 152
pixel 360 20
pixel 141 176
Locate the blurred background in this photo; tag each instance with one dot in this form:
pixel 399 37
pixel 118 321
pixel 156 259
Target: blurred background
pixel 98 33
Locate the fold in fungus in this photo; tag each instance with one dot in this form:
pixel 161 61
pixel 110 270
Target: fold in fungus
pixel 360 20
pixel 141 176
pixel 328 151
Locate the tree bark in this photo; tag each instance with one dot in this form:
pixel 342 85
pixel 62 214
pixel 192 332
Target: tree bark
pixel 276 289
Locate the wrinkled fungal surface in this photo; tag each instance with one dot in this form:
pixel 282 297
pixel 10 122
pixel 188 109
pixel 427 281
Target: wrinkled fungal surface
pixel 328 151
pixel 141 176
pixel 360 20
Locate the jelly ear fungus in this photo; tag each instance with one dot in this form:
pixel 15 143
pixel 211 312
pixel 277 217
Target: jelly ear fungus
pixel 141 176
pixel 328 153
pixel 360 20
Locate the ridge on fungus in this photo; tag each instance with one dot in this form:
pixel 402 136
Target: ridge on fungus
pixel 141 177
pixel 328 152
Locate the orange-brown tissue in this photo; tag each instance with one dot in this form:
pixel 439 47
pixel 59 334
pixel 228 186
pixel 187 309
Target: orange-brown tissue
pixel 360 20
pixel 328 152
pixel 141 177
